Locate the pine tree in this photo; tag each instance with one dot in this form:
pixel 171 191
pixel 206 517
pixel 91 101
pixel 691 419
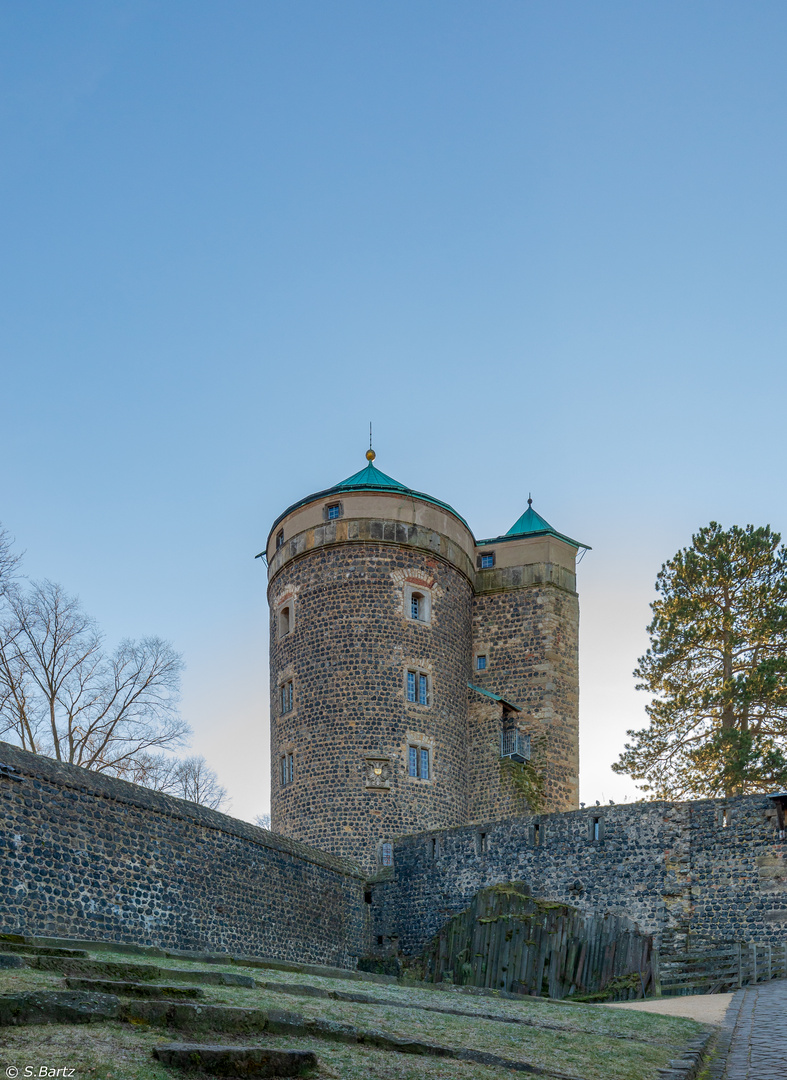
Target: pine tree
pixel 717 667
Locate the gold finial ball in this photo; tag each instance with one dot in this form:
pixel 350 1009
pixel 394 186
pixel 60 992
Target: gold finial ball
pixel 370 454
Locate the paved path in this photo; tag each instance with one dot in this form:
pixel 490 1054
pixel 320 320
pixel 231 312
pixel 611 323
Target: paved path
pixel 755 1030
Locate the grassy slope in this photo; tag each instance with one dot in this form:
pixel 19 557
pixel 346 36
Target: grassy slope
pixel 594 1043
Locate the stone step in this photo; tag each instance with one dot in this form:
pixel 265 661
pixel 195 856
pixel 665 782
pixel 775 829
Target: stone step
pixel 134 989
pixel 107 969
pixel 207 978
pixel 235 1060
pixel 10 960
pixel 42 950
pixel 57 1007
pixel 190 1016
pixel 122 972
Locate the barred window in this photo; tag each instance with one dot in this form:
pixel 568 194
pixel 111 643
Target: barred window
pixel 287 765
pixel 387 855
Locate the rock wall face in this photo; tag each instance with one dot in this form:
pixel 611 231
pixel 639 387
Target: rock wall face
pixel 529 636
pixel 341 748
pixel 90 857
pixel 668 866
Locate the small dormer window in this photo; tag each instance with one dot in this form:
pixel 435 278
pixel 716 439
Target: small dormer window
pixel 279 538
pixel 488 561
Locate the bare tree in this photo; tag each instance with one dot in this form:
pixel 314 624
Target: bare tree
pixel 263 820
pixel 188 778
pixel 8 561
pixel 61 694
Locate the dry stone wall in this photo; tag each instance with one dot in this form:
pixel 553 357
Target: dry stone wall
pixel 88 856
pixel 668 866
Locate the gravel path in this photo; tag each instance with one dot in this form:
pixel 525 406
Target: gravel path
pixel 707 1008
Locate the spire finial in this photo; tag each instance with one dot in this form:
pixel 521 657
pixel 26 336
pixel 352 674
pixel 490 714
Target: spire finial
pixel 529 499
pixel 370 454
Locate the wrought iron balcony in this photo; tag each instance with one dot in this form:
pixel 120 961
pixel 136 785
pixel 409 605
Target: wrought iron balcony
pixel 515 745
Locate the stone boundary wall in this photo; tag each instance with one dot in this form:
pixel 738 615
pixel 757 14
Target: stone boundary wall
pixel 85 855
pixel 667 866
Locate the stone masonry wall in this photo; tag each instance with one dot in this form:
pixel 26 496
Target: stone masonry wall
pixel 665 865
pixel 530 638
pixel 490 793
pixel 88 856
pixel 347 654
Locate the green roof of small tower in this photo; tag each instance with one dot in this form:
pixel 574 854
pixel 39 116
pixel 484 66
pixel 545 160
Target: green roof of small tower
pixel 368 479
pixel 532 524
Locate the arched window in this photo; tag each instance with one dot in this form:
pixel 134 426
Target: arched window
pixel 284 621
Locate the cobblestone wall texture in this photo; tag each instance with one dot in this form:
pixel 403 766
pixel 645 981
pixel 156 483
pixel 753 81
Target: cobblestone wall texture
pixel 665 865
pixel 87 856
pixel 530 638
pixel 348 653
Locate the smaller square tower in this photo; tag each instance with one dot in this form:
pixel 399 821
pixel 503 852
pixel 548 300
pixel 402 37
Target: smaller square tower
pixel 525 665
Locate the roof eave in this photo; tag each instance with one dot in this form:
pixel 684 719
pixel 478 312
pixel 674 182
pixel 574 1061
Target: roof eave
pixel 541 532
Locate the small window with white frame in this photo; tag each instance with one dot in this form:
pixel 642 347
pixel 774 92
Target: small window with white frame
pixel 333 511
pixel 419 762
pixel 418 603
pixel 486 560
pixel 386 854
pixel 417 688
pixel 279 538
pixel 286 696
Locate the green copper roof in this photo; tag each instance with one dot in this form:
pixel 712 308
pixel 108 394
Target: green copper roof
pixel 494 697
pixel 368 479
pixel 530 522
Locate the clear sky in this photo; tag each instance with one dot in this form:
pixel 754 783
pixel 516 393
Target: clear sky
pixel 541 243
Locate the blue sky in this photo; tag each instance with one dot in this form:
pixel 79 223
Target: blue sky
pixel 540 244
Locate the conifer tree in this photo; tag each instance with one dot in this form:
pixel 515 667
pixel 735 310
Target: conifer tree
pixel 717 667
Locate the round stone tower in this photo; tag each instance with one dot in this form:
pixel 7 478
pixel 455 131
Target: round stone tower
pixel 370 592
